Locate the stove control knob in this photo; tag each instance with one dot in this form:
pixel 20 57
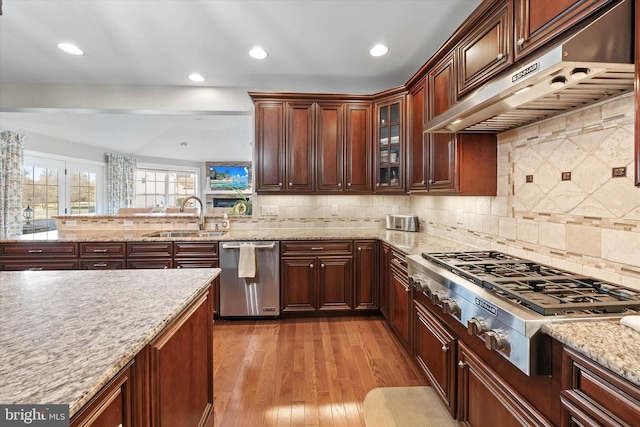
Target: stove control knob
pixel 450 306
pixel 476 326
pixel 496 339
pixel 437 297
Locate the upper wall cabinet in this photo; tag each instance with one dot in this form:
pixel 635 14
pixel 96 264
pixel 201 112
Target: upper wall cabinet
pixel 441 86
pixel 390 145
pixel 416 139
pixel 539 21
pixel 486 50
pixel 308 146
pixel 284 147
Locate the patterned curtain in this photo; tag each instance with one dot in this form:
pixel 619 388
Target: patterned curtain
pixel 121 175
pixel 11 162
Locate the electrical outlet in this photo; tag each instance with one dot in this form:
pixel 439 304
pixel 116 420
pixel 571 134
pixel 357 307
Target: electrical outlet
pixel 459 216
pixel 334 209
pixel 270 210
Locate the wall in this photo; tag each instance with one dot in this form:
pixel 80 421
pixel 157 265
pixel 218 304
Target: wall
pixel 589 225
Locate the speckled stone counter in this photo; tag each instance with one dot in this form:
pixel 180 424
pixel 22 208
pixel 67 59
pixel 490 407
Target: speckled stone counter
pixel 408 242
pixel 65 334
pixel 612 345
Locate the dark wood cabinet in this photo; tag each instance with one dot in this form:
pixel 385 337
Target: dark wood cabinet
pixel 539 21
pixel 102 255
pixel 417 139
pixel 329 147
pixel 269 152
pixel 299 147
pixel 435 351
pixel 390 144
pixel 113 406
pixel 357 144
pixel 181 382
pixel 458 164
pixel 316 276
pixel 38 256
pixel 366 294
pixel 486 50
pixel 149 255
pixel 593 395
pixel 400 299
pixel 486 399
pixel 385 279
pixel 441 86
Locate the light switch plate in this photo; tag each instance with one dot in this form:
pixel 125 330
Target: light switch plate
pixel 459 216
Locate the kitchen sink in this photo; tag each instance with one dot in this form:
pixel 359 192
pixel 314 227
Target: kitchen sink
pixel 171 234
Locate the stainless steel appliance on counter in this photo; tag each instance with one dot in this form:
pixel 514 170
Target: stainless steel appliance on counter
pixel 505 300
pixel 257 296
pixel 402 222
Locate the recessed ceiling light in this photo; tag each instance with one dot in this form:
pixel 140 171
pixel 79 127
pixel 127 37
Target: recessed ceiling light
pixel 558 81
pixel 522 90
pixel 456 121
pixel 379 50
pixel 258 53
pixel 70 48
pixel 579 73
pixel 196 78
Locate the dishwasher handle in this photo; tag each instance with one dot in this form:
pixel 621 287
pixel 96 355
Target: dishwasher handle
pixel 230 246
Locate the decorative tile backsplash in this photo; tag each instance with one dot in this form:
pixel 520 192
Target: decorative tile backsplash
pixel 589 223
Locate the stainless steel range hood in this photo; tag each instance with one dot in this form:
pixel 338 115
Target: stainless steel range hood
pixel 591 65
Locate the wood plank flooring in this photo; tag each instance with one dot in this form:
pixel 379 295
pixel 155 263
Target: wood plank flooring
pixel 303 372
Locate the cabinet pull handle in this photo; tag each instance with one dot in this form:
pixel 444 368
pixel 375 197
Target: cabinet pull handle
pixel 316 248
pixel 461 364
pixel 99 251
pixel 520 41
pixel 35 251
pixel 500 56
pixel 100 264
pixel 165 267
pixel 35 269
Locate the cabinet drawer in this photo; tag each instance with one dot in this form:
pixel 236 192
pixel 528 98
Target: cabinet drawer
pixel 590 388
pixel 102 264
pixel 37 265
pixel 39 250
pixel 150 263
pixel 196 263
pixel 195 249
pixel 398 260
pixel 149 249
pixel 102 250
pixel 343 247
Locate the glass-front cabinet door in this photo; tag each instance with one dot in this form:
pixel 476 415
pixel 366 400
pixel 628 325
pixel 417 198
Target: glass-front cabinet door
pixel 390 151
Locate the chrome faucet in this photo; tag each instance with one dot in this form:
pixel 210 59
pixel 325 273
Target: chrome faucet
pixel 201 221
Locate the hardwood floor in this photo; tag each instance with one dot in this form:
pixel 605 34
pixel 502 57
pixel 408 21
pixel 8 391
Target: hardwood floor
pixel 303 372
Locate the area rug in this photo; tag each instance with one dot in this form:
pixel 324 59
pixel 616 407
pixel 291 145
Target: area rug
pixel 405 407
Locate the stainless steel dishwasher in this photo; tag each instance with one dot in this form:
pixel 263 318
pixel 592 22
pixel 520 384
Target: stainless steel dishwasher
pixel 257 296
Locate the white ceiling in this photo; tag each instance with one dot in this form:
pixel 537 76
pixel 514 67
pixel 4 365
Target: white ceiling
pixel 314 46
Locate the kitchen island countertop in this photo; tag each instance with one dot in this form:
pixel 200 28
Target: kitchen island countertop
pixel 65 334
pixel 607 342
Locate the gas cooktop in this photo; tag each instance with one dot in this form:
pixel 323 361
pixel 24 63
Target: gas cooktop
pixel 546 290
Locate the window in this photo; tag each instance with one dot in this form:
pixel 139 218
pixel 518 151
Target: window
pixel 54 187
pixel 161 188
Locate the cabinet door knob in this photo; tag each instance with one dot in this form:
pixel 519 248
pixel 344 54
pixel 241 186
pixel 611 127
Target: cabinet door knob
pixel 500 56
pixel 520 41
pixel 445 348
pixel 321 265
pixel 279 184
pixel 339 184
pixel 430 181
pixel 359 248
pixel 348 184
pixel 179 266
pixel 310 265
pixel 461 364
pixel 291 184
pixel 377 184
pixel 422 182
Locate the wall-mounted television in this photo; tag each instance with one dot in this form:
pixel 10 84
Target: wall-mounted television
pixel 229 175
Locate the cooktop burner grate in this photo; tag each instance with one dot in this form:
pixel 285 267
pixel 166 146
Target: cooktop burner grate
pixel 542 288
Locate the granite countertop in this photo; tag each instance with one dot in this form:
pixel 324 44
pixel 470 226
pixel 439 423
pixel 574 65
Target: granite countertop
pixel 65 334
pixel 408 242
pixel 607 342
